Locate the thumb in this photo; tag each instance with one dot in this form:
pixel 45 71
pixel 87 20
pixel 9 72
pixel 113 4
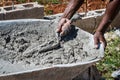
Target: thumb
pixel 58 29
pixel 96 42
pixel 66 28
pixel 60 24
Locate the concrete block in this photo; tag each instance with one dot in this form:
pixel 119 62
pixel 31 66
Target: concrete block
pixel 116 22
pixel 23 11
pixel 1 14
pixel 90 22
pixel 89 26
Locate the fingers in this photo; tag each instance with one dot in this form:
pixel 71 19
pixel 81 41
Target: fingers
pixel 96 42
pixel 99 39
pixel 62 21
pixel 58 29
pixel 66 28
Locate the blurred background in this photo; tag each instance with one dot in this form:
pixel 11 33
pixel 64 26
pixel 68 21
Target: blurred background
pixel 58 6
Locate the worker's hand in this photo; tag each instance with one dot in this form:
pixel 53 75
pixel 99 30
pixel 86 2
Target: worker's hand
pixel 64 26
pixel 99 39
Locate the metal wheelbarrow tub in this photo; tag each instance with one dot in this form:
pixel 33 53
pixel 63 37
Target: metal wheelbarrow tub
pixel 21 58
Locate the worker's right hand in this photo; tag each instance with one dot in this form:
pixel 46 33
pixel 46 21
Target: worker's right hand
pixel 99 38
pixel 64 26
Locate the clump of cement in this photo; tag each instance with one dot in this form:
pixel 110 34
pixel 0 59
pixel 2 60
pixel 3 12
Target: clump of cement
pixel 21 45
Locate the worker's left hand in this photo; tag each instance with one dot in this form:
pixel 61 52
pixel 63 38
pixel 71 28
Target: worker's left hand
pixel 99 39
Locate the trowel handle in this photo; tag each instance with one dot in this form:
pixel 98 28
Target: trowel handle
pixel 58 36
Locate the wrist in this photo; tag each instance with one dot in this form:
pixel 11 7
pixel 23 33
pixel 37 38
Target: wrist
pixel 100 31
pixel 66 17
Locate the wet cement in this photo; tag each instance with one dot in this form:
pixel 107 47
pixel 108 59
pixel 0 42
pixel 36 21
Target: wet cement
pixel 28 45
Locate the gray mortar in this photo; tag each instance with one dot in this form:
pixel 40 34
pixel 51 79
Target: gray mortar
pixel 28 45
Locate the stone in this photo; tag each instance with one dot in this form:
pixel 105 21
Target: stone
pixel 23 11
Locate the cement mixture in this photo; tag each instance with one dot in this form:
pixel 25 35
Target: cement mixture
pixel 27 45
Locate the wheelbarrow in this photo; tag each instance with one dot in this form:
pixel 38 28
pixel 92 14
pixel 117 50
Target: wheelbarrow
pixel 21 57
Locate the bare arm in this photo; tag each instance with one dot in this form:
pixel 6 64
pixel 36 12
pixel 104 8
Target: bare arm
pixel 72 7
pixel 64 23
pixel 111 11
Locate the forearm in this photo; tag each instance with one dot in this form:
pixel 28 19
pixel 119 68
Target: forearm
pixel 111 12
pixel 72 7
